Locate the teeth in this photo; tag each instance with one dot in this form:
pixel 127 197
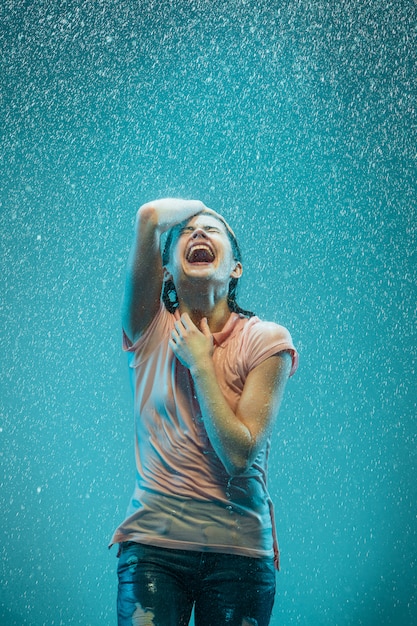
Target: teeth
pixel 196 248
pixel 202 247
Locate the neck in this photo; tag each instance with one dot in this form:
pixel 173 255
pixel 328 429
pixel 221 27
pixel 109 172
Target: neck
pixel 216 312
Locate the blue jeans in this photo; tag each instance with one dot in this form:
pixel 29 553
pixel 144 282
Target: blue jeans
pixel 160 587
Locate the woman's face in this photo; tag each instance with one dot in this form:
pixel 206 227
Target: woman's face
pixel 201 249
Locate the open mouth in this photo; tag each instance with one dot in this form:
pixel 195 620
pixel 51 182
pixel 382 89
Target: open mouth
pixel 200 254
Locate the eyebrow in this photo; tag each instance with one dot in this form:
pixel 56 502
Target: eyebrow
pixel 203 227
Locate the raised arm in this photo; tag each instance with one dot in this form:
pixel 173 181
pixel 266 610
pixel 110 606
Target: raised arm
pixel 144 273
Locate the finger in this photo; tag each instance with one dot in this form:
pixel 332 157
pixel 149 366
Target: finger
pixel 204 327
pixel 187 321
pixel 178 327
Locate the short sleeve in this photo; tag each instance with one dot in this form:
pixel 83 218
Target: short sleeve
pixel 157 331
pixel 264 339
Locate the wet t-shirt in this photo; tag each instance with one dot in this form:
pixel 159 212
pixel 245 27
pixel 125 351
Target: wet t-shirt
pixel 183 496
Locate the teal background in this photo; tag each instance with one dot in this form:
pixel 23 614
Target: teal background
pixel 297 121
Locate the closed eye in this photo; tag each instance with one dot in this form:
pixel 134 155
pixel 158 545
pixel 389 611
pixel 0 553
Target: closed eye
pixel 190 229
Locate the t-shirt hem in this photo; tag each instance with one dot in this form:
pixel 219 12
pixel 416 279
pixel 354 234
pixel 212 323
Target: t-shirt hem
pixel 174 544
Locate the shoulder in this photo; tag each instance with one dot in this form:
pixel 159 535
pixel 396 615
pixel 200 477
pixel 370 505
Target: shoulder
pixel 261 339
pixel 255 329
pixel 160 326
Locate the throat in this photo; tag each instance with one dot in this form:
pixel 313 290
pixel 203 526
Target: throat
pixel 216 315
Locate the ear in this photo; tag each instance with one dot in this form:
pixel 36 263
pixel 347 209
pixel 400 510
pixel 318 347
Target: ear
pixel 237 271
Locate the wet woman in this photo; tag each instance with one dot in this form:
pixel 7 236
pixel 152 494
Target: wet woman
pixel 208 379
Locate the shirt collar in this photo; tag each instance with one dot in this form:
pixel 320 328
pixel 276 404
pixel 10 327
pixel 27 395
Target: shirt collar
pixel 221 336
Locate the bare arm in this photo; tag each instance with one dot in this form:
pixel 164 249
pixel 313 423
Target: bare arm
pixel 237 437
pixel 144 273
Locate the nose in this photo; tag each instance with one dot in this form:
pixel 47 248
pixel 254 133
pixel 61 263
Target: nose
pixel 199 232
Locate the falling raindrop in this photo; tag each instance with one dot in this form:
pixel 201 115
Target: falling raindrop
pixel 294 120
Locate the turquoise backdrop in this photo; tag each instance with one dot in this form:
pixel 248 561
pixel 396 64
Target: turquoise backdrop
pixel 297 120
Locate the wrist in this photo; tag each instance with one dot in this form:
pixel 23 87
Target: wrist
pixel 203 368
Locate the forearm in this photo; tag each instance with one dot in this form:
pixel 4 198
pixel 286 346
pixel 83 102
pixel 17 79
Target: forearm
pixel 230 438
pixel 164 213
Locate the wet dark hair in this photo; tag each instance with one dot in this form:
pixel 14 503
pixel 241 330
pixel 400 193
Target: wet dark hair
pixel 169 293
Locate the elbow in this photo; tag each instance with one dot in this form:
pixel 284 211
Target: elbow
pixel 237 466
pixel 147 214
pixel 239 458
pixel 236 471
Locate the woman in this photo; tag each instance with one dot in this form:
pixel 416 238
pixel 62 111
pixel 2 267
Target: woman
pixel 208 379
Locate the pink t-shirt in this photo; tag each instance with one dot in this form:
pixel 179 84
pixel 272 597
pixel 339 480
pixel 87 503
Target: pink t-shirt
pixel 183 496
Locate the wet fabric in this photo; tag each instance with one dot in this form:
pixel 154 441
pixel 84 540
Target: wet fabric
pixel 183 497
pixel 159 586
